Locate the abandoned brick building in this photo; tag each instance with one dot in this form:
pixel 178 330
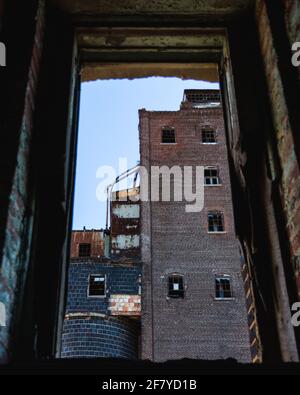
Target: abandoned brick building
pixel 53 45
pixel 195 256
pixel 193 297
pixel 104 289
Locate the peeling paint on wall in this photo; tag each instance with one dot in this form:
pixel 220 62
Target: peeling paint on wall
pixel 124 242
pixel 127 211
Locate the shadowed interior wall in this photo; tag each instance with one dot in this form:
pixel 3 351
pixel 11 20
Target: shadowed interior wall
pixel 45 200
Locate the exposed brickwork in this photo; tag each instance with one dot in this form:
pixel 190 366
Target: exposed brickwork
pixel 120 280
pixel 125 305
pixel 100 338
pixel 19 220
pixel 96 326
pixel 176 241
pixel 290 179
pixel 92 237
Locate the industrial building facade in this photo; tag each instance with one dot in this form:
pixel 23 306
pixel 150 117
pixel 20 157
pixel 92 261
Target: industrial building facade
pixel 103 311
pixel 247 45
pixel 199 248
pixel 183 270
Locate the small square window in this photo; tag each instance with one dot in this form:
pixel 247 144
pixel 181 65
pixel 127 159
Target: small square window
pixel 211 176
pixel 223 288
pixel 209 136
pixel 176 289
pixel 168 136
pixel 96 285
pixel 84 250
pixel 215 222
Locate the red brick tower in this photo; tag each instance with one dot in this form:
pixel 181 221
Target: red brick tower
pixel 193 301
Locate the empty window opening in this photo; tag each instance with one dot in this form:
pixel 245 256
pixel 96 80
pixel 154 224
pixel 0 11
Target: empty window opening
pixel 96 285
pixel 176 288
pixel 168 136
pixel 211 176
pixel 209 136
pixel 215 222
pixel 223 287
pixel 84 250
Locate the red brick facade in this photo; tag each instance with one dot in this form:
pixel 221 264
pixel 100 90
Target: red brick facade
pixel 92 237
pixel 173 241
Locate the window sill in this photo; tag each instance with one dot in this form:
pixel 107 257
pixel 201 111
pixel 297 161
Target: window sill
pixel 96 297
pixel 168 143
pixel 211 185
pixel 217 233
pixel 175 297
pixel 209 143
pixel 223 299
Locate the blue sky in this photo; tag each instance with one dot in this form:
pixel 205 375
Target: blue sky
pixel 108 130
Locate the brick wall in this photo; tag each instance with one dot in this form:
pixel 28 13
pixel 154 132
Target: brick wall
pixel 120 280
pixel 125 305
pixel 285 143
pixel 89 331
pixel 19 216
pixel 100 338
pixel 92 237
pixel 176 241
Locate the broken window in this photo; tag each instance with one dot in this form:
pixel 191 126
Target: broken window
pixel 223 287
pixel 209 136
pixel 84 250
pixel 168 136
pixel 96 285
pixel 211 176
pixel 176 289
pixel 215 222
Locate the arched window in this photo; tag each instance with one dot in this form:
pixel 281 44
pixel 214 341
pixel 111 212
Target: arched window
pixel 176 286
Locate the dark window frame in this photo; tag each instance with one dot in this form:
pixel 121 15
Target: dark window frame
pixel 94 292
pixel 168 135
pixel 176 293
pixel 213 178
pixel 223 287
pixel 209 136
pixel 84 250
pixel 216 222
